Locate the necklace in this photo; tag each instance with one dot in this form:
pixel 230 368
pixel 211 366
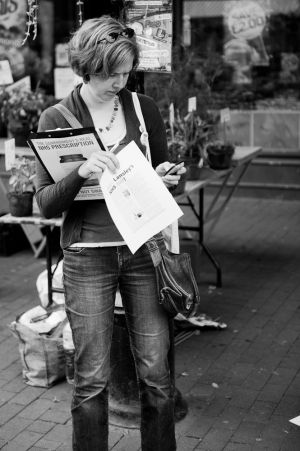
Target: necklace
pixel 113 117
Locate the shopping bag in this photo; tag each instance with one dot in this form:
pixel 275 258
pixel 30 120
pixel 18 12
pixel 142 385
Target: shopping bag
pixel 42 354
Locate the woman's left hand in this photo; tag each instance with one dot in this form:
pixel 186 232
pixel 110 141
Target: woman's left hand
pixel 170 179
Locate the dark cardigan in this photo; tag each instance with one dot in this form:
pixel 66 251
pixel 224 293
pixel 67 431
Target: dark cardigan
pixel 55 199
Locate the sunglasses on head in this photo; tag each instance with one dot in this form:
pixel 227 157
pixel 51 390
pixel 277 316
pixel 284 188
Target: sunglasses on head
pixel 112 37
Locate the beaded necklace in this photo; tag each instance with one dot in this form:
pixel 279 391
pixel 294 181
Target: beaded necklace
pixel 113 117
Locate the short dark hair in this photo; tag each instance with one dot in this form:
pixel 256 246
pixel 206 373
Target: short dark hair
pixel 89 54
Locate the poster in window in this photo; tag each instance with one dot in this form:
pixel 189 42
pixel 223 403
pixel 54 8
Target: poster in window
pixel 12 29
pixel 152 23
pixel 245 33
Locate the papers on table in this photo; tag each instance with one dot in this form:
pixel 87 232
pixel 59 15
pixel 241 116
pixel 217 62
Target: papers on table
pixel 137 199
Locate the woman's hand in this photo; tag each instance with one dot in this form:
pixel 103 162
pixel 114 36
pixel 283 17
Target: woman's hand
pixel 170 179
pixel 97 162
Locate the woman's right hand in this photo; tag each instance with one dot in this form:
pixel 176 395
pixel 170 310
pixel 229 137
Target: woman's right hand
pixel 97 163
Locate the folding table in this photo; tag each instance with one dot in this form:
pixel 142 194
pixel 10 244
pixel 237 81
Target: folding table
pixel 240 162
pixel 48 225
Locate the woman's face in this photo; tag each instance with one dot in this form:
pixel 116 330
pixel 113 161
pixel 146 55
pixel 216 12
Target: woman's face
pixel 104 89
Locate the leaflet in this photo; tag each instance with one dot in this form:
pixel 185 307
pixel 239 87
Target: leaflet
pixel 137 199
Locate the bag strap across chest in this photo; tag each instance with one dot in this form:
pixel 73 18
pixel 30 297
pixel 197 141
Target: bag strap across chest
pixel 66 113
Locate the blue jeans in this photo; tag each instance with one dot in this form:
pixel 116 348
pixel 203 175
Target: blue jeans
pixel 91 278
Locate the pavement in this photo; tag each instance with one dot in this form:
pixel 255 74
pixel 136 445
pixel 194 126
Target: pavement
pixel 241 383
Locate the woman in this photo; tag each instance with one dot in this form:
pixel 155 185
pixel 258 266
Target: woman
pixel 96 260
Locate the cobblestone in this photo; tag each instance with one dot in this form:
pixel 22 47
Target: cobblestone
pixel 242 384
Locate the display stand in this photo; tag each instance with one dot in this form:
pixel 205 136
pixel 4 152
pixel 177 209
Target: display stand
pixel 32 232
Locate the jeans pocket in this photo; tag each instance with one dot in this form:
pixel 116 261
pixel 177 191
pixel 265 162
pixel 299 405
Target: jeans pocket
pixel 74 250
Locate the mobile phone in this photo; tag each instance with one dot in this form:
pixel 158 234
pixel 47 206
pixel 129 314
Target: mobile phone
pixel 173 170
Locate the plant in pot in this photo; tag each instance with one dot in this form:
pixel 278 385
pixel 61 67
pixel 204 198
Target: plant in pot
pixel 20 111
pixel 187 138
pixel 3 99
pixel 219 151
pixel 175 155
pixel 21 184
pixel 218 154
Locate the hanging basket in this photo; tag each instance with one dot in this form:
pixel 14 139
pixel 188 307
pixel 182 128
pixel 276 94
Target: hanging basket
pixel 20 204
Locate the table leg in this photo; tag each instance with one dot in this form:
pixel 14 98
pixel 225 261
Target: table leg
pixel 200 230
pixel 49 262
pixel 201 239
pixel 215 216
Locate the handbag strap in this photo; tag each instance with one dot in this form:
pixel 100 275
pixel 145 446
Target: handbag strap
pixel 154 250
pixel 66 113
pixel 143 129
pixel 151 244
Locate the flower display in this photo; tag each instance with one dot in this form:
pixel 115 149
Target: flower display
pixel 20 109
pixel 22 175
pixel 188 135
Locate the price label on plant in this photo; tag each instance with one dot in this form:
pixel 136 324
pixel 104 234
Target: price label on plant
pixel 21 85
pixel 224 115
pixel 171 114
pixel 192 105
pixel 10 153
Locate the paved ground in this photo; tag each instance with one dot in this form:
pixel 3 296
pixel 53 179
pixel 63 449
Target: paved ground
pixel 242 384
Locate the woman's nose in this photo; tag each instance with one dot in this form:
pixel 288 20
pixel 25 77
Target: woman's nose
pixel 118 81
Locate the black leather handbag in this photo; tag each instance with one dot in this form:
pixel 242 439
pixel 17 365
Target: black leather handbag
pixel 177 287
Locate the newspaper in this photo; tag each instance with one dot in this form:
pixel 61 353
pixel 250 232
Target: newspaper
pixel 137 199
pixel 61 151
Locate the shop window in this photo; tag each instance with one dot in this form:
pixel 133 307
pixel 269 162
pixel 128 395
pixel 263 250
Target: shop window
pixel 245 55
pixel 257 44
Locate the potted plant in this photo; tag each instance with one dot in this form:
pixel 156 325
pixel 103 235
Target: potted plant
pixel 3 99
pixel 20 195
pixel 187 137
pixel 218 154
pixel 219 151
pixel 20 111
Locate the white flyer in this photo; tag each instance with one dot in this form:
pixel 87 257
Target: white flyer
pixel 137 199
pixel 296 421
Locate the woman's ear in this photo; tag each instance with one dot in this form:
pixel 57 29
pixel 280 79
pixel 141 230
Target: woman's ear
pixel 86 78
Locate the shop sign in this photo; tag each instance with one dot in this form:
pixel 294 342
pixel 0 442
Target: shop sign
pixel 12 29
pixel 64 81
pixel 246 21
pixel 61 55
pixel 24 84
pixel 224 115
pixel 5 73
pixel 244 38
pixel 152 23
